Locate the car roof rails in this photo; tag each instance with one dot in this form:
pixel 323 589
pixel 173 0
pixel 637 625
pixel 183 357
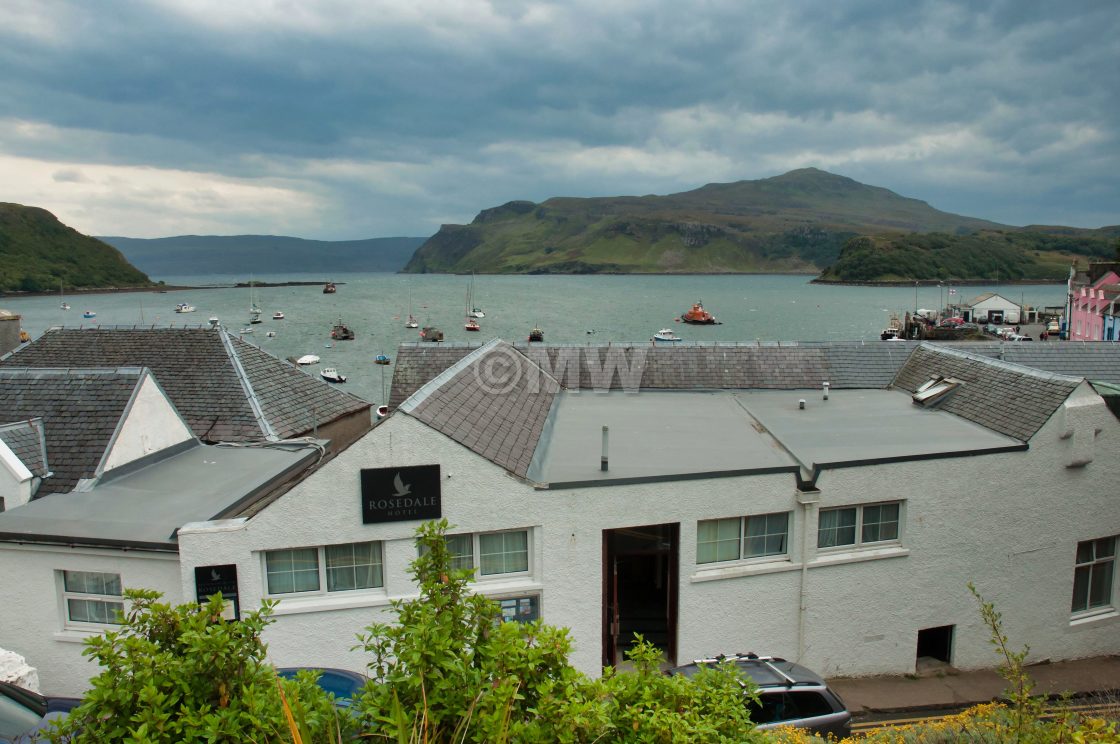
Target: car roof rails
pixel 767 661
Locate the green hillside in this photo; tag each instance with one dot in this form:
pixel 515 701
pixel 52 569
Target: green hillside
pixel 39 253
pixel 795 222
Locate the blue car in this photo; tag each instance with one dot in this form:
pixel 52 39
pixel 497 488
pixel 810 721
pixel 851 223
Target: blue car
pixel 25 714
pixel 342 683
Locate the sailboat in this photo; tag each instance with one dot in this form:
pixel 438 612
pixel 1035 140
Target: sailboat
pixel 474 311
pixel 411 322
pixel 254 309
pixel 470 323
pixel 65 305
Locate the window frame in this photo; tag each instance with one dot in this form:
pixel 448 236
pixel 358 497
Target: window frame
pixel 1094 564
pixel 743 537
pixel 476 554
pixel 323 571
pixel 66 595
pixel 858 542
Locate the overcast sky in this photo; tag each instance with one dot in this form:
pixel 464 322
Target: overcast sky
pixel 339 119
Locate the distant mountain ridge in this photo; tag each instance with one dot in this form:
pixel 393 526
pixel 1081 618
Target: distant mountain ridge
pixel 185 255
pixel 40 254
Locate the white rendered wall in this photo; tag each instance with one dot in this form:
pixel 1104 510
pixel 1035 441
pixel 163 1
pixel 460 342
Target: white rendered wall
pixel 15 479
pixel 31 613
pixel 152 425
pixel 1010 310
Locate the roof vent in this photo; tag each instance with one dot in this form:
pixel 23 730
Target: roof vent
pixel 934 390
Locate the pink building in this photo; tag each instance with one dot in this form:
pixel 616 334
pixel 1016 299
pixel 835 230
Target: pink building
pixel 1090 304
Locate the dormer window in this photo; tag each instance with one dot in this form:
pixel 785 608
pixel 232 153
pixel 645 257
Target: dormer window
pixel 933 390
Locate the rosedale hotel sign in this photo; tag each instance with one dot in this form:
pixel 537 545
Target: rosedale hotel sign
pixel 400 494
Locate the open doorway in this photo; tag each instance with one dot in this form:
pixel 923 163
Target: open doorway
pixel 640 567
pixel 935 647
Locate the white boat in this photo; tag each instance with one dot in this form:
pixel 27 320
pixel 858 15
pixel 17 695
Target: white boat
pixel 411 322
pixel 330 374
pixel 247 329
pixel 666 336
pixel 65 305
pixel 214 321
pixel 307 359
pixel 271 334
pixel 89 314
pixel 183 307
pixel 254 308
pixel 472 310
pixel 278 315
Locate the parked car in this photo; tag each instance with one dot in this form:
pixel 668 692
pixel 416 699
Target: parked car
pixel 788 694
pixel 1019 337
pixel 342 683
pixel 24 714
pixel 1053 327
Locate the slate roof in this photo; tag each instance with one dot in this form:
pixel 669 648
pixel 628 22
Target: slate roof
pixel 225 389
pixel 851 364
pixel 494 401
pixel 26 441
pixel 1006 398
pixel 80 410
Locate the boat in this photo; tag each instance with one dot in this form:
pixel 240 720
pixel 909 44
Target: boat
pixel 278 315
pixel 183 307
pixel 24 336
pixel 213 321
pixel 247 329
pixel 893 331
pixel 697 315
pixel 536 335
pixel 431 333
pixel 341 332
pixel 666 336
pixel 89 314
pixel 381 359
pixel 307 359
pixel 254 308
pixel 330 374
pixel 329 288
pixel 411 322
pixel 473 311
pixel 62 298
pixel 469 323
pixel 271 334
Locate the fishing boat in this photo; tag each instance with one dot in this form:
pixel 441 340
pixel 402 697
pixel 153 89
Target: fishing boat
pixel 536 335
pixel 697 315
pixel 431 333
pixel 329 288
pixel 330 374
pixel 307 359
pixel 469 323
pixel 62 298
pixel 341 332
pixel 278 315
pixel 89 314
pixel 666 336
pixel 411 322
pixel 381 359
pixel 213 321
pixel 183 307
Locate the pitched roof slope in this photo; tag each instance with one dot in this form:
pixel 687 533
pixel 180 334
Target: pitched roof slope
pixel 292 402
pixel 26 441
pixel 80 411
pixel 494 401
pixel 200 374
pixel 418 363
pixel 1006 398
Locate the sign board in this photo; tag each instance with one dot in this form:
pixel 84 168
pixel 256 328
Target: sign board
pixel 210 580
pixel 400 494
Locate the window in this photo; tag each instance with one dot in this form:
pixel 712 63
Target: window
pixel 871 523
pixel 340 568
pixel 519 609
pixel 755 536
pixel 1094 574
pixel 92 597
pixel 493 553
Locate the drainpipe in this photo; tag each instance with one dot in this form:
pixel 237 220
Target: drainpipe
pixel 808 497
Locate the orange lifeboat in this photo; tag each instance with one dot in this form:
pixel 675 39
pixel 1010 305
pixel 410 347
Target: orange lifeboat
pixel 699 316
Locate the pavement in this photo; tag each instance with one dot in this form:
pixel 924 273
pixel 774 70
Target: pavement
pixel 950 688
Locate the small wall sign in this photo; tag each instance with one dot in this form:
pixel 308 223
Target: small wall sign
pixel 209 580
pixel 400 494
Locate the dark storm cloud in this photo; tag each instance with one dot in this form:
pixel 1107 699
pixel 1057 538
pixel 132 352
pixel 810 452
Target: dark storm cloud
pixel 389 118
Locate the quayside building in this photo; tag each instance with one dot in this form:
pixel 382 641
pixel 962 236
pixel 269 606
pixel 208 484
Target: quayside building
pixel 822 502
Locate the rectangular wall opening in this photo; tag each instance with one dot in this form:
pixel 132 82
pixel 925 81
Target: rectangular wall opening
pixel 935 647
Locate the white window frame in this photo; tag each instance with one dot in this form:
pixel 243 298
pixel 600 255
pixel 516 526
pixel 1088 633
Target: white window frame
pixel 65 595
pixel 742 557
pixel 476 554
pixel 321 565
pixel 1094 564
pixel 859 542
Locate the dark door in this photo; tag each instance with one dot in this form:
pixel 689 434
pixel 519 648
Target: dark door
pixel 640 568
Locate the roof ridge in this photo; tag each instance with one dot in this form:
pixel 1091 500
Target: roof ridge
pixel 434 384
pixel 247 386
pixel 131 369
pixel 1022 369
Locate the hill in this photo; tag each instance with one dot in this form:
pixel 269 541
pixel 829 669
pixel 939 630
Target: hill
pixel 189 255
pixel 39 253
pixel 796 222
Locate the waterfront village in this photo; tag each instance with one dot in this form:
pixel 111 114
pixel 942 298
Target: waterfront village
pixel 824 502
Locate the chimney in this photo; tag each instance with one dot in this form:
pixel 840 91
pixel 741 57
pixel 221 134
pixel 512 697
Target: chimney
pixel 603 458
pixel 825 386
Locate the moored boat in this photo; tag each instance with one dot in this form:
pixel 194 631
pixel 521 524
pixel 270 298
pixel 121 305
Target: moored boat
pixel 183 307
pixel 330 374
pixel 341 332
pixel 536 335
pixel 381 359
pixel 89 314
pixel 278 315
pixel 329 288
pixel 431 333
pixel 666 336
pixel 307 359
pixel 697 315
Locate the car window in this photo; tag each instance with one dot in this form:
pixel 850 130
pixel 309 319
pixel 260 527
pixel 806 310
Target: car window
pixel 770 708
pixel 15 719
pixel 810 704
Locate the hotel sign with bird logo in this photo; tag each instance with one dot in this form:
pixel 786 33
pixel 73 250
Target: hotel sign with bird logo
pixel 400 494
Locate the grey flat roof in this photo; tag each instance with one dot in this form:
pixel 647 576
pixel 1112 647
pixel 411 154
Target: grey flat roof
pixel 654 435
pixel 671 435
pixel 856 427
pixel 144 507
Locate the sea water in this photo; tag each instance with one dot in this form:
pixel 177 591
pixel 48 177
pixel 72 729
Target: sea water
pixel 569 309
